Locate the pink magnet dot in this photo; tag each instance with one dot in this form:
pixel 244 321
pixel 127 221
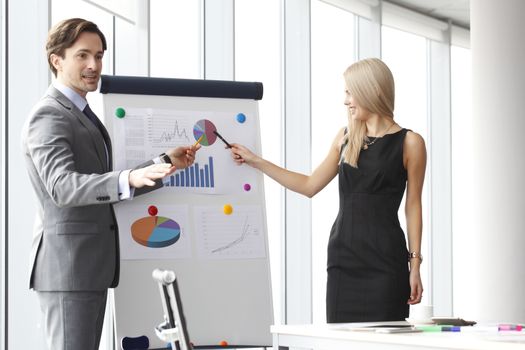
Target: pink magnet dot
pixel 152 210
pixel 247 187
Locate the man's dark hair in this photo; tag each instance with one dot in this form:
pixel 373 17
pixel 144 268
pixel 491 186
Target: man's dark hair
pixel 64 34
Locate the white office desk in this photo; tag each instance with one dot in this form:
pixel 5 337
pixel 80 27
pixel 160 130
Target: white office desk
pixel 335 337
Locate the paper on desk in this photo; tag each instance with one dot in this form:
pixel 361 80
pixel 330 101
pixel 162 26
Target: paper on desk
pixel 507 337
pixel 369 326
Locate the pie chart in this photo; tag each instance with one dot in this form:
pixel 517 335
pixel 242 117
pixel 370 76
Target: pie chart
pixel 155 231
pixel 205 129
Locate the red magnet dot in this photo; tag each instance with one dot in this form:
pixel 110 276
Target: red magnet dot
pixel 247 187
pixel 223 343
pixel 152 210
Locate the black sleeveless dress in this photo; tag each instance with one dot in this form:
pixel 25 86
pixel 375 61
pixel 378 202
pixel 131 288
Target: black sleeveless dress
pixel 368 275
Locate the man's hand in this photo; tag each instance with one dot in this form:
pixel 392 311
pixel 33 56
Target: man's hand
pixel 146 176
pixel 183 157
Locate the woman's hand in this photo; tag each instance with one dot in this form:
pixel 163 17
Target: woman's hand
pixel 241 154
pixel 416 287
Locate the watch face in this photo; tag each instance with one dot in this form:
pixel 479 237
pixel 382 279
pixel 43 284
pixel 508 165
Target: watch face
pixel 166 158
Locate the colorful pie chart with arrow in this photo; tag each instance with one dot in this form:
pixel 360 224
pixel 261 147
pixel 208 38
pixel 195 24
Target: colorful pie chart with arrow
pixel 155 231
pixel 205 129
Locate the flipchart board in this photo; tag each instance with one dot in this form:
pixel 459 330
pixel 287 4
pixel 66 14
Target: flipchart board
pixel 208 222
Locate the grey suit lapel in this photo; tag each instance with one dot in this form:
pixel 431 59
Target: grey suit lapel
pixel 96 137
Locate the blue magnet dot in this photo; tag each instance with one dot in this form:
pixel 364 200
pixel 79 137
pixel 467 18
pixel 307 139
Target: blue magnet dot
pixel 241 118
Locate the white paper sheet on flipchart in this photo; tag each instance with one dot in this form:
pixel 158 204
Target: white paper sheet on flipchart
pixel 129 212
pixel 144 133
pixel 235 236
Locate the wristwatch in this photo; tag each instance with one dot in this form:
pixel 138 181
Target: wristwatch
pixel 415 255
pixel 165 158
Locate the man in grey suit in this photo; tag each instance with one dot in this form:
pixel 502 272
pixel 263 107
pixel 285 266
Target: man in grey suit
pixel 75 252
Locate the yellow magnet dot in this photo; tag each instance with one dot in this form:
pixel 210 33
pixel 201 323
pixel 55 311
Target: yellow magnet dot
pixel 228 209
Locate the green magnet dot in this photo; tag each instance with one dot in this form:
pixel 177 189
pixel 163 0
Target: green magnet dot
pixel 120 112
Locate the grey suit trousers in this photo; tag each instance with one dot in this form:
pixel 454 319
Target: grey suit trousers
pixel 73 320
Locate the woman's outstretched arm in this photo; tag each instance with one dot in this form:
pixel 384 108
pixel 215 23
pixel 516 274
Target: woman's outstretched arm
pixel 307 185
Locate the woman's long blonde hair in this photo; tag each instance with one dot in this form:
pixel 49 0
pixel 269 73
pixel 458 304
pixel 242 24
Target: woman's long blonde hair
pixel 371 84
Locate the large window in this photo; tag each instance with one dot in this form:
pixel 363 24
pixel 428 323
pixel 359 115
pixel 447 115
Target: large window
pixel 332 52
pixel 462 173
pixel 175 39
pixel 2 167
pixel 406 56
pixel 258 58
pixel 29 71
pixel 64 9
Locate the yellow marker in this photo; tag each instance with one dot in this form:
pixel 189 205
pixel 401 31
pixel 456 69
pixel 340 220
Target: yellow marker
pixel 198 141
pixel 228 209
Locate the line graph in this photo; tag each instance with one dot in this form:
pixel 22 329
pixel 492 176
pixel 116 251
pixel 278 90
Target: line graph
pixel 245 228
pixel 235 236
pixel 175 134
pixel 144 133
pixel 167 131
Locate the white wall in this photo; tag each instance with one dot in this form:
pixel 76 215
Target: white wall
pixel 497 239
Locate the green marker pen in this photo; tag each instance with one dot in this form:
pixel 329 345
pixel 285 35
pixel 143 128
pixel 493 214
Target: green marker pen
pixel 429 328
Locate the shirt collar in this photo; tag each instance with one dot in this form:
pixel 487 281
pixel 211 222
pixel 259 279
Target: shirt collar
pixel 79 101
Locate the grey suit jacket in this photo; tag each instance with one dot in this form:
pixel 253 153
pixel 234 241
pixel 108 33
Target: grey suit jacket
pixel 75 239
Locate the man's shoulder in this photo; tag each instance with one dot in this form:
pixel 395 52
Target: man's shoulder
pixel 48 110
pixel 53 97
pixel 52 101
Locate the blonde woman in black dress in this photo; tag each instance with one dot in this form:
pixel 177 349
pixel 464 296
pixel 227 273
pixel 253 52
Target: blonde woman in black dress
pixel 372 276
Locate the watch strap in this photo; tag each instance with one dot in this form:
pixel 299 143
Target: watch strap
pixel 165 158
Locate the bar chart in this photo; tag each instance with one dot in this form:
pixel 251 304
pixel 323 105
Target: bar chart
pixel 194 176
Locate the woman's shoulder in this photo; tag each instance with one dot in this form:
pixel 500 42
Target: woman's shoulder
pixel 413 139
pixel 340 140
pixel 414 147
pixel 340 136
